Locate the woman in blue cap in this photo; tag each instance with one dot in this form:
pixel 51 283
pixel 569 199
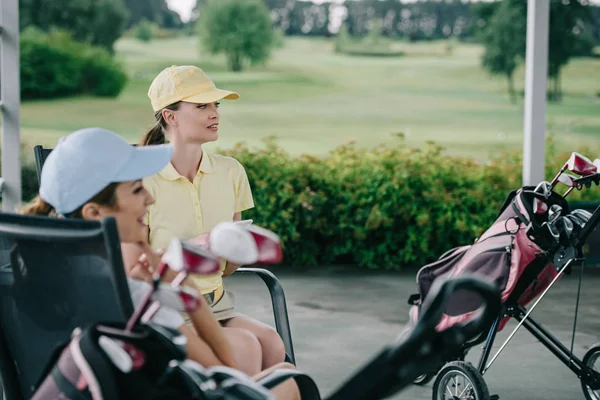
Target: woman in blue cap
pixel 93 174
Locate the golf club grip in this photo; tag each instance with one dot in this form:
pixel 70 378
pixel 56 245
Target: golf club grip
pixel 434 309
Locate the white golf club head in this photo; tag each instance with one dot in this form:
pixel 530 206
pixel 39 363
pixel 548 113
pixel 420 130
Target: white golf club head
pixel 566 179
pixel 173 257
pixel 234 243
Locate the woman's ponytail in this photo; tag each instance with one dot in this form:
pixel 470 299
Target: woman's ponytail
pixel 156 134
pixel 37 207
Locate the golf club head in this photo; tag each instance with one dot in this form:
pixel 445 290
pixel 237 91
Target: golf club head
pixel 554 213
pixel 577 222
pixel 198 260
pixel 582 215
pixel 245 244
pixel 566 179
pixel 182 256
pixel 566 226
pixel 544 188
pixel 180 298
pixel 581 165
pixel 268 243
pixel 552 230
pixel 234 243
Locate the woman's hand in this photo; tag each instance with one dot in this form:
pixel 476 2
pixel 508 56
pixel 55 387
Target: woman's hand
pixel 201 240
pixel 140 260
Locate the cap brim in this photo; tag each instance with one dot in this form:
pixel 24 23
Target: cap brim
pixel 145 161
pixel 212 96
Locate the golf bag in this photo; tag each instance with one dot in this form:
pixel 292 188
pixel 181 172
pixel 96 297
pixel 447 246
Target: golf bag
pixel 512 254
pixel 155 366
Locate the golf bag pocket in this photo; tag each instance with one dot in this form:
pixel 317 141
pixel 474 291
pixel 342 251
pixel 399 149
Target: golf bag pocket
pixel 103 362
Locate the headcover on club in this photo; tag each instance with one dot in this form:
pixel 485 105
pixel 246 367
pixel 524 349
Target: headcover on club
pixel 581 165
pixel 268 243
pixel 566 179
pixel 234 243
pixel 180 298
pixel 182 256
pixel 245 244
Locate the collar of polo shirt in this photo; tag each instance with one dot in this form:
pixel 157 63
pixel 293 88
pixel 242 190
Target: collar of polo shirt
pixel 171 174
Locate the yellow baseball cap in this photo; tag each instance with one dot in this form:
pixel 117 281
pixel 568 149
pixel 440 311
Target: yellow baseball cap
pixel 185 83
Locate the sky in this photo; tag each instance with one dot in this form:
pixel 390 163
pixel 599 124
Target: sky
pixel 184 7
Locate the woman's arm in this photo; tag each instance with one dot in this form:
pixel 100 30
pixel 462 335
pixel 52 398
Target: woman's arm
pixel 208 331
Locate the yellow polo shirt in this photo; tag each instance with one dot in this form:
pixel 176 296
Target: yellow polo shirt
pixel 187 209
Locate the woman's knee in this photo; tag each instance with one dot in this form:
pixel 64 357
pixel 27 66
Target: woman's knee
pixel 272 342
pixel 284 365
pixel 246 349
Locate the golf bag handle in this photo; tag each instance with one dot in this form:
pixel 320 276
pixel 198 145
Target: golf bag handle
pixel 434 306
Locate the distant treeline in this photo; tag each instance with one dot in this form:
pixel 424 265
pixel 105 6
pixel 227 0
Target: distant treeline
pixel 422 20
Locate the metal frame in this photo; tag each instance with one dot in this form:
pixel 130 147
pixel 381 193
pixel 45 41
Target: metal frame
pixel 10 98
pixel 522 315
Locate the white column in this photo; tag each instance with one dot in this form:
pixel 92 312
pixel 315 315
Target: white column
pixel 10 103
pixel 536 75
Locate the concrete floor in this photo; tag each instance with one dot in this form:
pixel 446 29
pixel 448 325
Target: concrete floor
pixel 340 317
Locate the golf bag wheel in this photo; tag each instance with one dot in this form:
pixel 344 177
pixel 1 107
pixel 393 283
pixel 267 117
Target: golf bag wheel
pixel 459 380
pixel 591 359
pixel 424 379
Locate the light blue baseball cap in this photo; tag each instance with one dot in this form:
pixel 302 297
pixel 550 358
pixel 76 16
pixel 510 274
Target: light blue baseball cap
pixel 88 160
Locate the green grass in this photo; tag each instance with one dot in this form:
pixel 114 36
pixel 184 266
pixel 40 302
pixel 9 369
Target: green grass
pixel 314 100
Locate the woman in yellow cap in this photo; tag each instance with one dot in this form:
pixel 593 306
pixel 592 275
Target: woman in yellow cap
pixel 198 190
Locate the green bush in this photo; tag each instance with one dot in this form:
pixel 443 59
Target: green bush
pixel 373 45
pixel 383 208
pixel 144 30
pixel 54 65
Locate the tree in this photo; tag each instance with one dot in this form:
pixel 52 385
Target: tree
pixel 241 29
pixel 342 39
pixel 504 41
pixel 143 30
pixel 504 38
pixel 567 38
pixel 99 22
pixel 155 11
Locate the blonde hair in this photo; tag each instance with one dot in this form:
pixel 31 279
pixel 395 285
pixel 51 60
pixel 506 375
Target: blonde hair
pixel 38 206
pixel 156 134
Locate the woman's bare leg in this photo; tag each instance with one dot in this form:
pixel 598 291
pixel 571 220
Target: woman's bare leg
pixel 287 390
pixel 273 349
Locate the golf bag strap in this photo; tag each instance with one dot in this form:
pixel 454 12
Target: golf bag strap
pixel 65 386
pixel 509 199
pixel 306 385
pixel 520 215
pixel 414 299
pixel 99 363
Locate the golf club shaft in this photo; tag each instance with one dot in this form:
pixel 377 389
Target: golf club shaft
pixel 135 318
